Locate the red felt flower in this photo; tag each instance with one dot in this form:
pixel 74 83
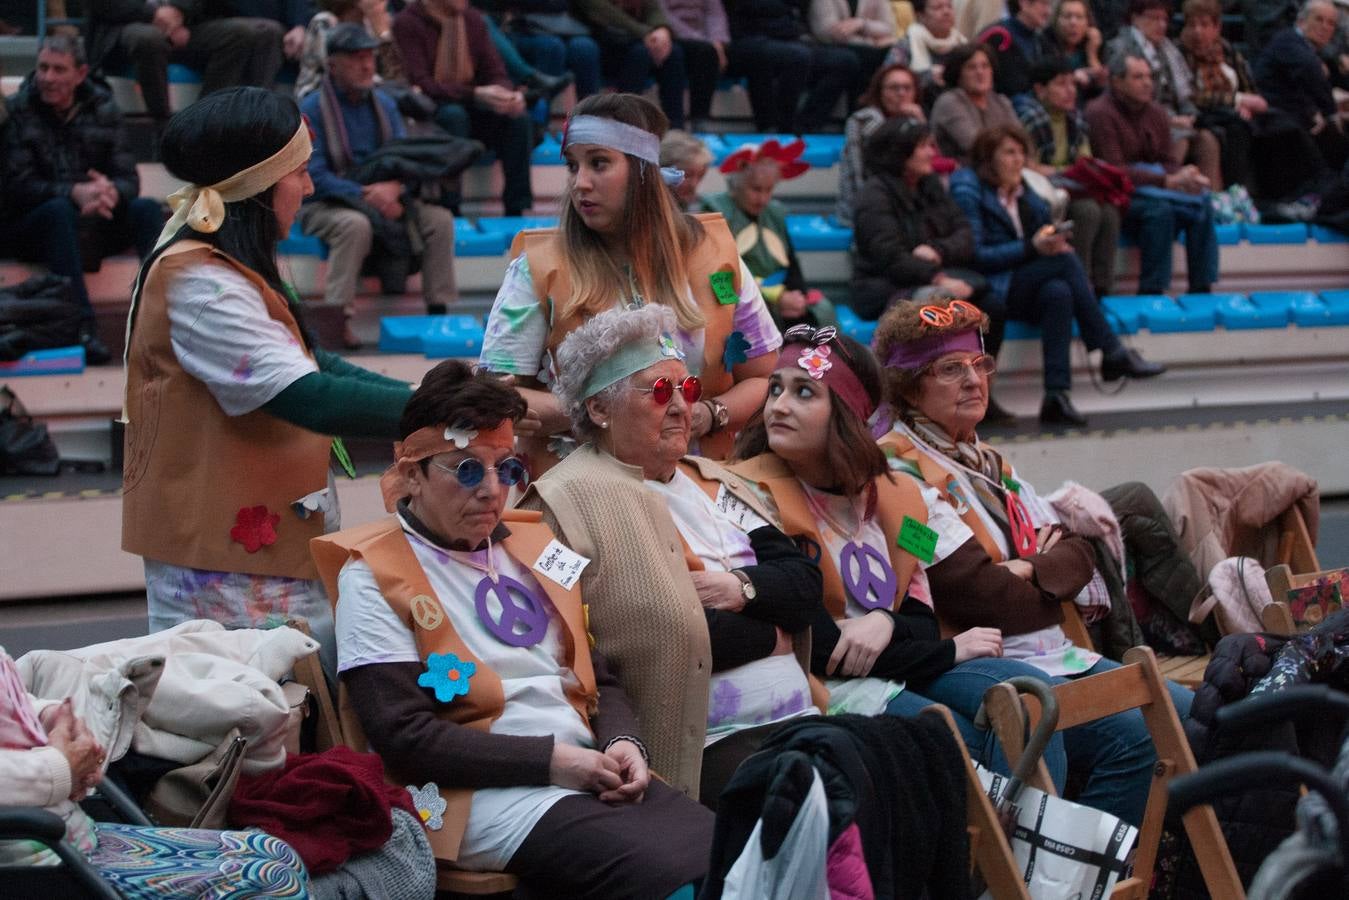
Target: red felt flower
pixel 255 528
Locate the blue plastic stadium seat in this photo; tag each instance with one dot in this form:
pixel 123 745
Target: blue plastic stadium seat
pixel 475 243
pixel 411 334
pixel 1164 315
pixel 510 226
pixel 1021 331
pixel 1291 233
pixel 178 74
pixel 716 146
pixel 548 153
pixel 1237 312
pixel 297 243
pixel 854 327
pixel 817 233
pixel 453 336
pixel 56 361
pixel 1124 312
pixel 1228 234
pixel 1330 308
pixel 822 150
pixel 1323 235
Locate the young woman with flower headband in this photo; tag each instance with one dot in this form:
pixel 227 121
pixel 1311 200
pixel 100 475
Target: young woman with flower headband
pixel 1000 558
pixel 811 453
pixel 464 647
pixel 623 241
pixel 230 408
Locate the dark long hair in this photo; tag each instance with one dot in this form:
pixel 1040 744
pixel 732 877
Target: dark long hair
pixel 852 451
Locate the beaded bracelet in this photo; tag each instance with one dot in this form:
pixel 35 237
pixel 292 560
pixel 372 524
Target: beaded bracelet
pixel 636 741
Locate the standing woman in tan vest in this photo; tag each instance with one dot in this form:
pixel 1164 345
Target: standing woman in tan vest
pixel 230 409
pixel 623 241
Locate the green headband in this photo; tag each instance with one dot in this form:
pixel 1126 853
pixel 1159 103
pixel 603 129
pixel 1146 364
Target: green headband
pixel 630 358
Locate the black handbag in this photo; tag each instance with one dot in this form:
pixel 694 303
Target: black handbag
pixel 38 314
pixel 25 446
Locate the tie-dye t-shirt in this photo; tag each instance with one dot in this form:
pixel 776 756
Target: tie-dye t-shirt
pixel 517 328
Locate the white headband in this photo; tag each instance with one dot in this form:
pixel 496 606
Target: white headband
pixel 619 136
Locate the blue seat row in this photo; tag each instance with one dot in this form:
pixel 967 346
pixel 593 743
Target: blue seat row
pixel 436 336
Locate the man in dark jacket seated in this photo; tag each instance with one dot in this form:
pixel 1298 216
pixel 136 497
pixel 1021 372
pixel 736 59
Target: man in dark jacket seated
pixel 1294 79
pixel 70 183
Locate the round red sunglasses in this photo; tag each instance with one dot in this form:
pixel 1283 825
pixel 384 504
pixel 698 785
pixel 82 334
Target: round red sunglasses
pixel 662 392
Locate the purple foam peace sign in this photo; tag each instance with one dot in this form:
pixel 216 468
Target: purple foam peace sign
pixel 520 607
pixel 868 577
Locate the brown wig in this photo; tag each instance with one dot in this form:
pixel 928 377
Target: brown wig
pixel 986 144
pixel 901 325
pixel 660 236
pixel 849 446
pixel 453 394
pixel 872 95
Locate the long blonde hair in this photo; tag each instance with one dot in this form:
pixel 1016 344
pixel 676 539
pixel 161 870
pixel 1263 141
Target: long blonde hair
pixel 660 236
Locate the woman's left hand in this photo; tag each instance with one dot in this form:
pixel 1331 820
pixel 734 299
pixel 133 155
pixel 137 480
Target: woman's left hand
pixel 719 590
pixel 860 641
pixel 632 769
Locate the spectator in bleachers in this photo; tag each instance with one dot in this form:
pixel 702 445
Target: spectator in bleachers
pixel 1073 35
pixel 865 27
pixel 352 119
pixel 930 41
pixel 793 83
pixel 1131 130
pixel 1058 134
pixel 525 738
pixel 1294 79
pixel 373 15
pixel 228 47
pixel 971 105
pixel 1032 273
pixel 637 43
pixel 536 84
pixel 973 16
pixel 1224 89
pixel 231 411
pixel 70 182
pixel 702 29
pixel 759 224
pixel 1018 42
pixel 1173 89
pixel 892 94
pixel 623 240
pixel 553 40
pixel 685 152
pixel 908 233
pixel 448 54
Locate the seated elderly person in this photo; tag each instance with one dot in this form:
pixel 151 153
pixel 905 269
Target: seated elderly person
pixel 1003 559
pixel 687 153
pixel 462 646
pixel 759 224
pixel 702 606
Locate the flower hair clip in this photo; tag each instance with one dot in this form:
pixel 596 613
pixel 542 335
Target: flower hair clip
pixel 460 435
pixel 815 360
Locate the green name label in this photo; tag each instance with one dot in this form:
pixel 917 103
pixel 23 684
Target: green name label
pixel 918 539
pixel 723 286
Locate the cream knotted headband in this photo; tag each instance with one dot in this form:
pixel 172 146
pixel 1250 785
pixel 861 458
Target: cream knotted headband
pixel 203 208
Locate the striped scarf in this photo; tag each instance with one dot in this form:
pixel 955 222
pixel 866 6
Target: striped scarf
pixel 335 127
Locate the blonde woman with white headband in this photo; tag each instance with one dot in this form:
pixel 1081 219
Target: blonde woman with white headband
pixel 230 408
pixel 623 241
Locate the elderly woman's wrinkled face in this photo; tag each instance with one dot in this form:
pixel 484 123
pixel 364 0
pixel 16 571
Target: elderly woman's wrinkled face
pixel 642 432
pixel 450 510
pixel 1071 23
pixel 796 415
pixel 953 392
pixel 754 188
pixel 976 76
pixel 939 17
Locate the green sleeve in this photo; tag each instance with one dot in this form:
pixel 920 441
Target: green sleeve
pixel 343 405
pixel 333 364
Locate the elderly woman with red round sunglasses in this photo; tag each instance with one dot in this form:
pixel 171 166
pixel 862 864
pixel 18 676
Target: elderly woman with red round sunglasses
pixel 700 603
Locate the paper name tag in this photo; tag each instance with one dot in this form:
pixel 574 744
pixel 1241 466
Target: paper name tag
pixel 560 564
pixel 737 510
pixel 723 286
pixel 918 539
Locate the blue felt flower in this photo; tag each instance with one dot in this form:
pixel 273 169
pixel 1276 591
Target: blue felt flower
pixel 447 675
pixel 737 350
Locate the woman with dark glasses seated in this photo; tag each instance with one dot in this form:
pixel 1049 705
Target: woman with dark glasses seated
pixel 463 648
pixel 701 604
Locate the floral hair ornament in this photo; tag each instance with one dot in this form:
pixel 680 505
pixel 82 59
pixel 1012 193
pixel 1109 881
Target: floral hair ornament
pixel 812 349
pixel 436 439
pixel 788 158
pixel 622 137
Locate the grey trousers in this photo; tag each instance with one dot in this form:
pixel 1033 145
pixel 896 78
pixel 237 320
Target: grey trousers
pixel 1096 241
pixel 348 236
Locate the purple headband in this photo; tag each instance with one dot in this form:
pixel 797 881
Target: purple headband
pixel 916 354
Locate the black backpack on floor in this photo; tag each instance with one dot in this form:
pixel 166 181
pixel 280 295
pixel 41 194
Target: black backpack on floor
pixel 38 314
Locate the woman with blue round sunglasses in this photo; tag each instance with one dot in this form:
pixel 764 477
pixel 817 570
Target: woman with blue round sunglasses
pixel 470 471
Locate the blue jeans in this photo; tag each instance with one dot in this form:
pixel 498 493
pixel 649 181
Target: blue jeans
pixel 1154 223
pixel 1114 753
pixel 554 55
pixel 510 138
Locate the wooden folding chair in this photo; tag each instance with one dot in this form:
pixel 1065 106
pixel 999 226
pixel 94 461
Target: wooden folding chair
pixel 1136 685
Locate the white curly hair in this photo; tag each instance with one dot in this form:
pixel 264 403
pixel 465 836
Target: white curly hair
pixel 594 342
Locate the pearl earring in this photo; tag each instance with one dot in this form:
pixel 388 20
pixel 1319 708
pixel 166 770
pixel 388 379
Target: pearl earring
pixel 604 424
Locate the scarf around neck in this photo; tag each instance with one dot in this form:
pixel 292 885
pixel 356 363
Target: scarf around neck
pixel 335 136
pixel 924 45
pixel 454 62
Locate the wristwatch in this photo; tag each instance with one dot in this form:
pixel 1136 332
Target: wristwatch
pixel 747 588
pixel 718 413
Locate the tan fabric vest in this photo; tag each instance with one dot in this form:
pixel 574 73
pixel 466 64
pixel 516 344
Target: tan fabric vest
pixel 894 501
pixel 405 586
pixel 190 468
pixel 715 253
